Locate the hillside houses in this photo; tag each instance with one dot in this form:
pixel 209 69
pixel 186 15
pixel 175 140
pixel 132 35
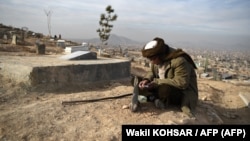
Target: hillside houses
pixel 222 64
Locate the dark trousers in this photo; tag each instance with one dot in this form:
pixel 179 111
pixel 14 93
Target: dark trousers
pixel 166 93
pixel 169 94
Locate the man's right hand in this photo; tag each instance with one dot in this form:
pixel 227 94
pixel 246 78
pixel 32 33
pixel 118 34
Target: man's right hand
pixel 143 83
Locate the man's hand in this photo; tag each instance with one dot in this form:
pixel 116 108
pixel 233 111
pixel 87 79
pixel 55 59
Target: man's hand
pixel 143 84
pixel 146 84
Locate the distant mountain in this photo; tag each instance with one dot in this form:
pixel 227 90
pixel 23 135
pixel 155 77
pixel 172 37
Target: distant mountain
pixel 114 40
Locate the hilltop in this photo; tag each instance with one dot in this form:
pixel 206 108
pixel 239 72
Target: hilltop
pixel 38 114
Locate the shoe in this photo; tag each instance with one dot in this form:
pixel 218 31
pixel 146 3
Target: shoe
pixel 159 104
pixel 134 106
pixel 151 98
pixel 142 99
pixel 134 100
pixel 187 111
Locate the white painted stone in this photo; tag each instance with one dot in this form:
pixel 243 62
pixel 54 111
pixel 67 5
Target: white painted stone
pixel 72 49
pixel 79 55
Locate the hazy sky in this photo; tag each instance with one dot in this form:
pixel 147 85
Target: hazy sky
pixel 222 22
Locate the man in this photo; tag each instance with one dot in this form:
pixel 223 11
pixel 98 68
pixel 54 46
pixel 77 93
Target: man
pixel 171 80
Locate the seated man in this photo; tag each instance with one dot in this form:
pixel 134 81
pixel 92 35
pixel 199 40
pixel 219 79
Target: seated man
pixel 171 80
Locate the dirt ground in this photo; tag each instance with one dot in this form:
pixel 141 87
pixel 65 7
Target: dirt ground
pixel 39 115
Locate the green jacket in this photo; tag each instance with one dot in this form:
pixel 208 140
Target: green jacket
pixel 180 73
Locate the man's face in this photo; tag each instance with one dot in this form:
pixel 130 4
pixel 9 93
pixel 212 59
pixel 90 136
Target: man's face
pixel 155 60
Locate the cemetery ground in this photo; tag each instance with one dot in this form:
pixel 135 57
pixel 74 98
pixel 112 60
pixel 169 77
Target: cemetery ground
pixel 38 114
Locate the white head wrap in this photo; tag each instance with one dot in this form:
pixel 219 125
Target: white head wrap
pixel 150 45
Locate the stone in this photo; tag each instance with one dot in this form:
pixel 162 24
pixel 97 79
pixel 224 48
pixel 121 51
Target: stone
pixel 40 48
pixel 13 42
pixel 60 43
pixel 5 37
pixel 246 98
pixel 80 55
pixel 125 106
pixel 72 49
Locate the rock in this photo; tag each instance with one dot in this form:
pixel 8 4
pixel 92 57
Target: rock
pixel 125 106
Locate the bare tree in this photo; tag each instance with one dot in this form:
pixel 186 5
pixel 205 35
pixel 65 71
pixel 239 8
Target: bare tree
pixel 48 14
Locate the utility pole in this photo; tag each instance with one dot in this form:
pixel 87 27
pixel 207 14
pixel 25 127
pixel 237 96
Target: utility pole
pixel 48 14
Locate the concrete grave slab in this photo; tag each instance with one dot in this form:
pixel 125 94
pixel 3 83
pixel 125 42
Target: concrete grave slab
pixel 80 55
pixel 52 71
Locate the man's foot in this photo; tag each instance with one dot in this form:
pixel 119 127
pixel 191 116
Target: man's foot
pixel 151 98
pixel 134 106
pixel 159 104
pixel 187 111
